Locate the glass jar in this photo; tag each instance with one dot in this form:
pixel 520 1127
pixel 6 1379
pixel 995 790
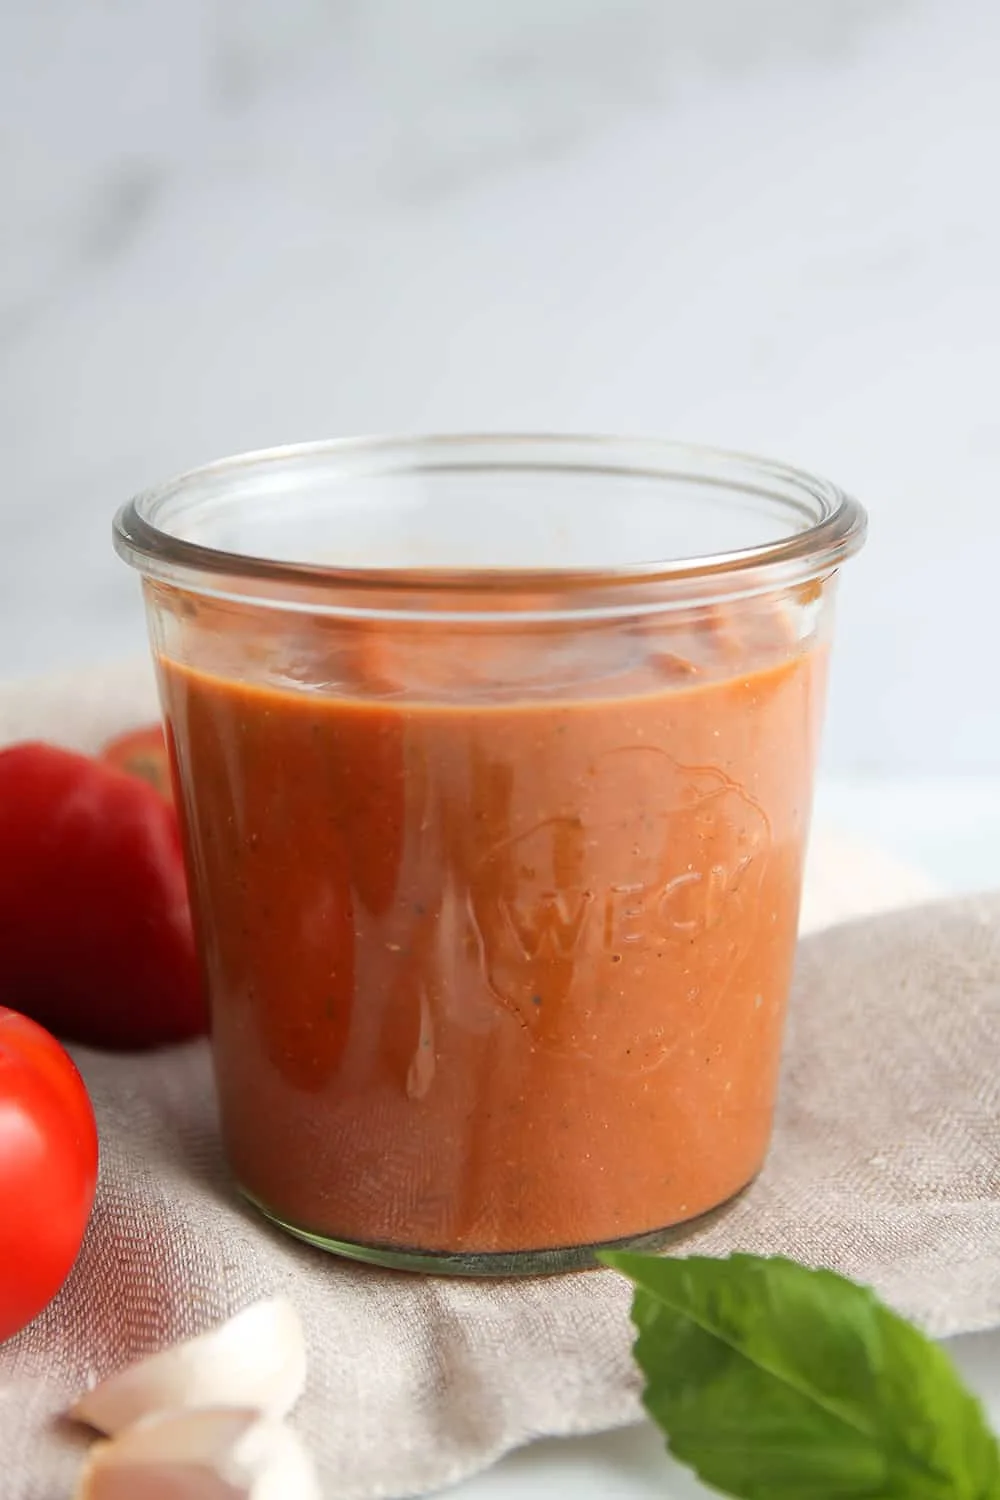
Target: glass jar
pixel 494 760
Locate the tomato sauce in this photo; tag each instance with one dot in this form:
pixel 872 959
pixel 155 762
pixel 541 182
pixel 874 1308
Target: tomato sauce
pixel 496 972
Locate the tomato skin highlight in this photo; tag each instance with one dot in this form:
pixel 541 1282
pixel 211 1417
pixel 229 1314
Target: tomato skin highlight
pixel 96 940
pixel 142 753
pixel 48 1169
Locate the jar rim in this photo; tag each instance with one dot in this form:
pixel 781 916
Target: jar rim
pixel 834 529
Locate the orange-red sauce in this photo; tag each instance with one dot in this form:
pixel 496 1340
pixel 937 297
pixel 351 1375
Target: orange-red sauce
pixel 497 975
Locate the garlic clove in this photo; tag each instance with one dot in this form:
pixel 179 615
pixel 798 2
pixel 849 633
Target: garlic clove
pixel 212 1454
pixel 257 1359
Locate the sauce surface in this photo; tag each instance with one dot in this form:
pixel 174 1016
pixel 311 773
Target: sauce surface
pixel 495 976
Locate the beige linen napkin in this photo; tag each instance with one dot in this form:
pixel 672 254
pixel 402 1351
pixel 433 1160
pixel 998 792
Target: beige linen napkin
pixel 886 1165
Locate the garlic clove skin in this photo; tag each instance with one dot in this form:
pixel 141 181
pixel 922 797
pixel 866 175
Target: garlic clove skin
pixel 284 1470
pixel 255 1360
pixel 212 1454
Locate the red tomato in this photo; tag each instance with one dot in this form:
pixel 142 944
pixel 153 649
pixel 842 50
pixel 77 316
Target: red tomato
pixel 96 940
pixel 142 752
pixel 48 1169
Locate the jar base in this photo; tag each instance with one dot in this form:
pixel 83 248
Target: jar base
pixel 492 1264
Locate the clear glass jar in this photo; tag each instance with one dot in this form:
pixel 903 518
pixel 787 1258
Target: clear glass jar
pixel 494 759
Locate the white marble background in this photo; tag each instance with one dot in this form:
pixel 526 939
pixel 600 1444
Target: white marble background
pixel 773 224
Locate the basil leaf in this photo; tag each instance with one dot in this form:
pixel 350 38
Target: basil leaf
pixel 775 1382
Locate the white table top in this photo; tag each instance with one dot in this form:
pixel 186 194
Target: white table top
pixel 949 829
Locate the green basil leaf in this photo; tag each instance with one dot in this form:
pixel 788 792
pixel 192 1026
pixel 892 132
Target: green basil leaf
pixel 775 1382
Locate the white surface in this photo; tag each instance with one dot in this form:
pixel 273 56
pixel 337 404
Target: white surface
pixel 938 820
pixel 766 223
